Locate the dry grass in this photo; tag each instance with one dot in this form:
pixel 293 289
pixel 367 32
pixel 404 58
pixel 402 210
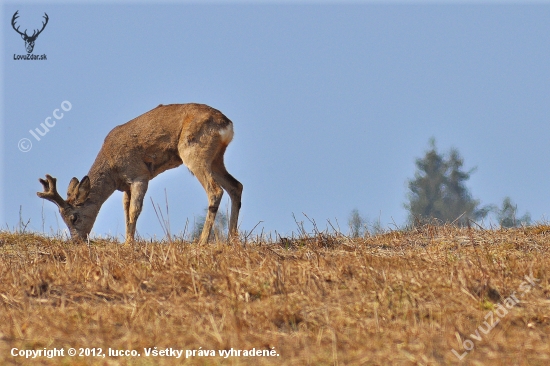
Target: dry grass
pixel 397 298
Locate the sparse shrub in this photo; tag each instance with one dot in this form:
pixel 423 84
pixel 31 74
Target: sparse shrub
pixel 357 224
pixel 219 230
pixel 507 215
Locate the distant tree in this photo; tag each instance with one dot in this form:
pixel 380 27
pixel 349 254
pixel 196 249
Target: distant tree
pixel 357 224
pixel 506 215
pixel 219 230
pixel 438 189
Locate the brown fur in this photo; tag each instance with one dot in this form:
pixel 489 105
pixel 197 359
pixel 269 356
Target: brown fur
pixel 139 150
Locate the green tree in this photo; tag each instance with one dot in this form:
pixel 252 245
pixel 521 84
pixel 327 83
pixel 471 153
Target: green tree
pixel 438 190
pixel 506 215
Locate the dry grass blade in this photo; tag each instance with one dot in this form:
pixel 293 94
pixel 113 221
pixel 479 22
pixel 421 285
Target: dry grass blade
pixel 395 298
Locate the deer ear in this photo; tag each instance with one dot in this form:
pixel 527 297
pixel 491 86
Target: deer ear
pixel 83 190
pixel 72 190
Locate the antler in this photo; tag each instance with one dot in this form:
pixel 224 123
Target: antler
pixel 15 16
pixel 43 26
pixel 50 191
pixel 34 34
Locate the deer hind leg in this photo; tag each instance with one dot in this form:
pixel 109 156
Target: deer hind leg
pixel 198 158
pixel 203 155
pixel 233 187
pixel 133 203
pixel 214 192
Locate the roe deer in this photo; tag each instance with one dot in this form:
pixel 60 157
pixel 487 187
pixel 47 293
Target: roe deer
pixel 137 151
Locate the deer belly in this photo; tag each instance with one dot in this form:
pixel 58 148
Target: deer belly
pixel 160 163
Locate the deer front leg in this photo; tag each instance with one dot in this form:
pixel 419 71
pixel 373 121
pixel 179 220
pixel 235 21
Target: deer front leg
pixel 126 204
pixel 133 203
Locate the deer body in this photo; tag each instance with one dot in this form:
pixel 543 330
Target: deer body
pixel 134 153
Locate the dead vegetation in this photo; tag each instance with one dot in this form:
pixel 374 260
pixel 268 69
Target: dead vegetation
pixel 395 298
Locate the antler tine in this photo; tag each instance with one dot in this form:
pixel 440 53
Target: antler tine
pixel 13 19
pixel 43 24
pixel 50 191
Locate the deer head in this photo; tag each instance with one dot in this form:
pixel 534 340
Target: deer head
pixel 77 214
pixel 29 40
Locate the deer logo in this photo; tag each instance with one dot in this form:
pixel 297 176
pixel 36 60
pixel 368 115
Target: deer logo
pixel 29 40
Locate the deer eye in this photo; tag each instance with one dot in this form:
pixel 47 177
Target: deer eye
pixel 73 218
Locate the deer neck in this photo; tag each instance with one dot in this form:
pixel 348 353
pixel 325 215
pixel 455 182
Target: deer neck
pixel 102 186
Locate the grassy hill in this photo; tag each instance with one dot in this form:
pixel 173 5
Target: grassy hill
pixel 429 296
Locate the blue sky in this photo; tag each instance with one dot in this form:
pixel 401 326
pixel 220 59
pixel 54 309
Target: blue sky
pixel 331 103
